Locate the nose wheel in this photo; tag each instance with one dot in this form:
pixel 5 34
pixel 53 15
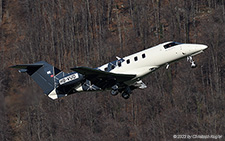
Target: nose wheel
pixel 193 64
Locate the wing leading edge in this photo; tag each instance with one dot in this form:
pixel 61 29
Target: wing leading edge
pixel 103 79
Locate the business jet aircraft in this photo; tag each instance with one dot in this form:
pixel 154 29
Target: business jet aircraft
pixel 120 76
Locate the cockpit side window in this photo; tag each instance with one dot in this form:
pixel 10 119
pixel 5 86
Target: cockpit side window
pixel 112 65
pixel 171 45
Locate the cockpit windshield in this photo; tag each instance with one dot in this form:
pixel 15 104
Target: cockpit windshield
pixel 114 64
pixel 171 44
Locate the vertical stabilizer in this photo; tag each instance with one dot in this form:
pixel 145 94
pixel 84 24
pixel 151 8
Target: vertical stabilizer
pixel 44 74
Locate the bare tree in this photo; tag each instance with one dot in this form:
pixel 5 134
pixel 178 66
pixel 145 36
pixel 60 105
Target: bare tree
pixel 91 32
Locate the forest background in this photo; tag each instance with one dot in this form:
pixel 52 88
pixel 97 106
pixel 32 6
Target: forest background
pixel 69 33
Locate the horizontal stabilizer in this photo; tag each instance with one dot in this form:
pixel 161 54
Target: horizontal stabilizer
pixel 25 66
pixel 29 68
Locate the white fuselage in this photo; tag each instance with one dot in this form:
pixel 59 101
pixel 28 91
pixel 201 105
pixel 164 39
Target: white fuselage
pixel 139 65
pixel 146 61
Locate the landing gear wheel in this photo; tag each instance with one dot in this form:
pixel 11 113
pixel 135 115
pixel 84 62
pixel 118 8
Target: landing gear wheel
pixel 125 95
pixel 190 59
pixel 114 92
pixel 193 65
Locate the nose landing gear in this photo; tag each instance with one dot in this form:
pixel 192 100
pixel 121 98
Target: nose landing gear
pixel 190 59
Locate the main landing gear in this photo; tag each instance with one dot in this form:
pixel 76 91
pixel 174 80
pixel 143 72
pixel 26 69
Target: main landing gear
pixel 125 93
pixel 190 59
pixel 114 90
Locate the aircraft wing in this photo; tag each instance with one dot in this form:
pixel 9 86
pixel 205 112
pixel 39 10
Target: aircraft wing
pixel 102 79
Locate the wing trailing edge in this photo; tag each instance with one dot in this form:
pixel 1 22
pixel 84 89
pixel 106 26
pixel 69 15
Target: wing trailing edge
pixel 101 78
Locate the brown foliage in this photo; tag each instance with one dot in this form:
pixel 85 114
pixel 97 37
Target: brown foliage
pixel 68 33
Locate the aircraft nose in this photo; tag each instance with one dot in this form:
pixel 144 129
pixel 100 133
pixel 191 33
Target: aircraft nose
pixel 193 48
pixel 202 47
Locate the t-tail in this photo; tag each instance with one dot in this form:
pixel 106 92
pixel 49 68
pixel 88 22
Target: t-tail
pixel 52 81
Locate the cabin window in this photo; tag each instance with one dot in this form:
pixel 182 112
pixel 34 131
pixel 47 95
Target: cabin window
pixel 143 56
pixel 112 67
pixel 105 69
pixel 135 58
pixel 128 61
